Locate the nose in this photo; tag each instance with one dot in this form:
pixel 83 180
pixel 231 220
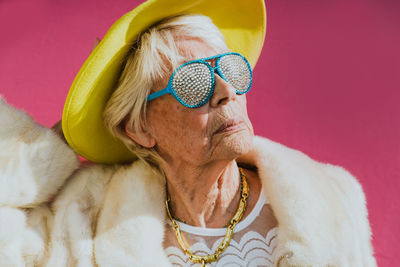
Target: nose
pixel 223 92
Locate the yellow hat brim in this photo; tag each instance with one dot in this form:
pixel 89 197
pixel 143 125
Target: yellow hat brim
pixel 243 23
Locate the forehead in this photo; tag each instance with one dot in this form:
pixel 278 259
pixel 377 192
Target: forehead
pixel 193 48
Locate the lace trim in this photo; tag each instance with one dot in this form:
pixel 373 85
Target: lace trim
pixel 253 250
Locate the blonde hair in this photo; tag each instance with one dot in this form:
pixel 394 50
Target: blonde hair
pixel 151 59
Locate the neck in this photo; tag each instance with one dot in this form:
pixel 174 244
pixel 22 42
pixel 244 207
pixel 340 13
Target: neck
pixel 204 196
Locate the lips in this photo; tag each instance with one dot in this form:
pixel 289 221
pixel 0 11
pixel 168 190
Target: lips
pixel 230 125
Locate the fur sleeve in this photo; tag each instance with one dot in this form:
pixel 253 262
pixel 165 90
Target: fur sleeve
pixel 34 161
pixel 24 235
pixel 352 229
pixel 353 197
pixel 75 213
pixel 320 208
pixel 12 223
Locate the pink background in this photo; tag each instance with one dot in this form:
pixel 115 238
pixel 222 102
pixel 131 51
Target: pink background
pixel 327 82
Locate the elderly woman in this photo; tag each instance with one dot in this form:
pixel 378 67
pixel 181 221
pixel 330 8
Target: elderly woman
pixel 191 185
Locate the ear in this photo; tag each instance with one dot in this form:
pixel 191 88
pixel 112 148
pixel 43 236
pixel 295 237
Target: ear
pixel 143 137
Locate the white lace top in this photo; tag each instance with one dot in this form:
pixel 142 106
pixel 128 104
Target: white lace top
pixel 252 244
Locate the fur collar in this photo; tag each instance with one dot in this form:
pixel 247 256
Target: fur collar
pixel 320 209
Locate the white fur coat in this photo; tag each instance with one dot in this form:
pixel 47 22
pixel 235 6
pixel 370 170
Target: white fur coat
pixel 114 215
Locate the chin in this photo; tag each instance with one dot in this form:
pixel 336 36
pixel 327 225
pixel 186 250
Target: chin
pixel 234 145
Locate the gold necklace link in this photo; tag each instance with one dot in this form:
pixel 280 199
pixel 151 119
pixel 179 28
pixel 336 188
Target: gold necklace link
pixel 229 230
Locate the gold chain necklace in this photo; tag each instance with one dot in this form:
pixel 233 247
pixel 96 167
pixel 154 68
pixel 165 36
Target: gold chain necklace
pixel 244 188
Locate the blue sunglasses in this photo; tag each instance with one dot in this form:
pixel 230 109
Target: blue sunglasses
pixel 193 83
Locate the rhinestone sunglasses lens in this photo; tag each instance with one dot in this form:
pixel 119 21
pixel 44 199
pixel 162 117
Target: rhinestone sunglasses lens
pixel 236 71
pixel 192 84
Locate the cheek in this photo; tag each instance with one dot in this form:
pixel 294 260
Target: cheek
pixel 176 130
pixel 243 110
pixel 164 120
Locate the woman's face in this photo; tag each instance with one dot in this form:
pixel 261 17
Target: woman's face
pixel 218 130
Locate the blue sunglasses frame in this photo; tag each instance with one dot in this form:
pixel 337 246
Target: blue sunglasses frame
pixel 170 90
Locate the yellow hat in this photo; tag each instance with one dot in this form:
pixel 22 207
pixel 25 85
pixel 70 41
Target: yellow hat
pixel 243 24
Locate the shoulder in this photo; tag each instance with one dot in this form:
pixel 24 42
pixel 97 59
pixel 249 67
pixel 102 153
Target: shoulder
pixel 87 186
pixel 309 175
pixel 94 186
pixel 268 153
pixel 311 200
pixel 92 181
